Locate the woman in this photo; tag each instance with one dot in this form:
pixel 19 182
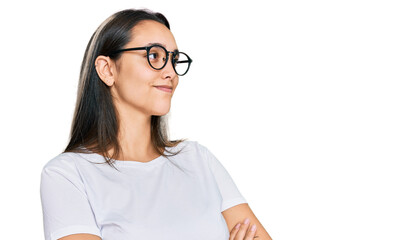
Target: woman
pixel 115 180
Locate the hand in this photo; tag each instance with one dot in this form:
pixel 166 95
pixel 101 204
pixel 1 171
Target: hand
pixel 241 231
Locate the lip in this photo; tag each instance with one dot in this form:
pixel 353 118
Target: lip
pixel 163 88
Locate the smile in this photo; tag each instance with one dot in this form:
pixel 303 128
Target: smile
pixel 164 89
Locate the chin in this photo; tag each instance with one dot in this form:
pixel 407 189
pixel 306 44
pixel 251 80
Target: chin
pixel 161 113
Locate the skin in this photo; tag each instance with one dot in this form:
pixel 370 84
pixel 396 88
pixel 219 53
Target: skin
pixel 237 214
pixel 132 81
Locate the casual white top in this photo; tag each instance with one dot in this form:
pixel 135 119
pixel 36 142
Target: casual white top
pixel 165 199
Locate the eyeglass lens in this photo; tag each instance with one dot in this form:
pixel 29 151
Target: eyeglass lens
pixel 157 57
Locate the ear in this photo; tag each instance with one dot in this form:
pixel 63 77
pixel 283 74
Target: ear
pixel 106 69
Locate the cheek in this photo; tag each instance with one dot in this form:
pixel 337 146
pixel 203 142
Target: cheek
pixel 135 84
pixel 136 68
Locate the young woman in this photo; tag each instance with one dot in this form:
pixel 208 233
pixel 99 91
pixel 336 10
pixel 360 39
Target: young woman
pixel 115 180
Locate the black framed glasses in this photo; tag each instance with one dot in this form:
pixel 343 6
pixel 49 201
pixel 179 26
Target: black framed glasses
pixel 158 56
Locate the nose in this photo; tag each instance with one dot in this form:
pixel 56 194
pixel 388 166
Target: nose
pixel 168 70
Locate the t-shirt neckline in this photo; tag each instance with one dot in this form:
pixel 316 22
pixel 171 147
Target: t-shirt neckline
pixel 157 160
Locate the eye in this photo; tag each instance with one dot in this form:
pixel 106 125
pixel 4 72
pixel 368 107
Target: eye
pixel 153 56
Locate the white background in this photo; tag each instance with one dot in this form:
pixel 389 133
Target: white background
pixel 309 105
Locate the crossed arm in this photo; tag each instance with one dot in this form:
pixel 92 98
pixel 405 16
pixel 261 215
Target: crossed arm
pixel 234 215
pixel 237 214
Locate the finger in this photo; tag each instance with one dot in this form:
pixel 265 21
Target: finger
pixel 251 233
pixel 242 230
pixel 234 231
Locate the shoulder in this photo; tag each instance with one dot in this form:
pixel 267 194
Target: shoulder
pixel 200 151
pixel 63 163
pixel 188 146
pixel 195 147
pixel 191 152
pixel 61 173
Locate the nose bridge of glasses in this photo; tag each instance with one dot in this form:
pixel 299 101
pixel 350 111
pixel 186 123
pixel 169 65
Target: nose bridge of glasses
pixel 170 55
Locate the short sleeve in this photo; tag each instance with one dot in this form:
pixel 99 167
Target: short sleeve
pixel 231 195
pixel 65 206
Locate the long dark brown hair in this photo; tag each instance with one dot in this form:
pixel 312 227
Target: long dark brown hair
pixel 95 123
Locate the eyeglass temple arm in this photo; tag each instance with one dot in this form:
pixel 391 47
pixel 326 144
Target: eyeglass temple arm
pixel 129 49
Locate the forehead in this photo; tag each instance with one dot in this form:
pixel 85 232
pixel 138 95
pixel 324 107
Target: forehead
pixel 149 31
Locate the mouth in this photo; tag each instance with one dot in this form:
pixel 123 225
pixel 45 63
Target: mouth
pixel 164 89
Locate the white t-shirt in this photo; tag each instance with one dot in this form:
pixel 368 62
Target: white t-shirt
pixel 155 200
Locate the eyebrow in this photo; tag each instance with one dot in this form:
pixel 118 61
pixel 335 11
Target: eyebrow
pixel 161 44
